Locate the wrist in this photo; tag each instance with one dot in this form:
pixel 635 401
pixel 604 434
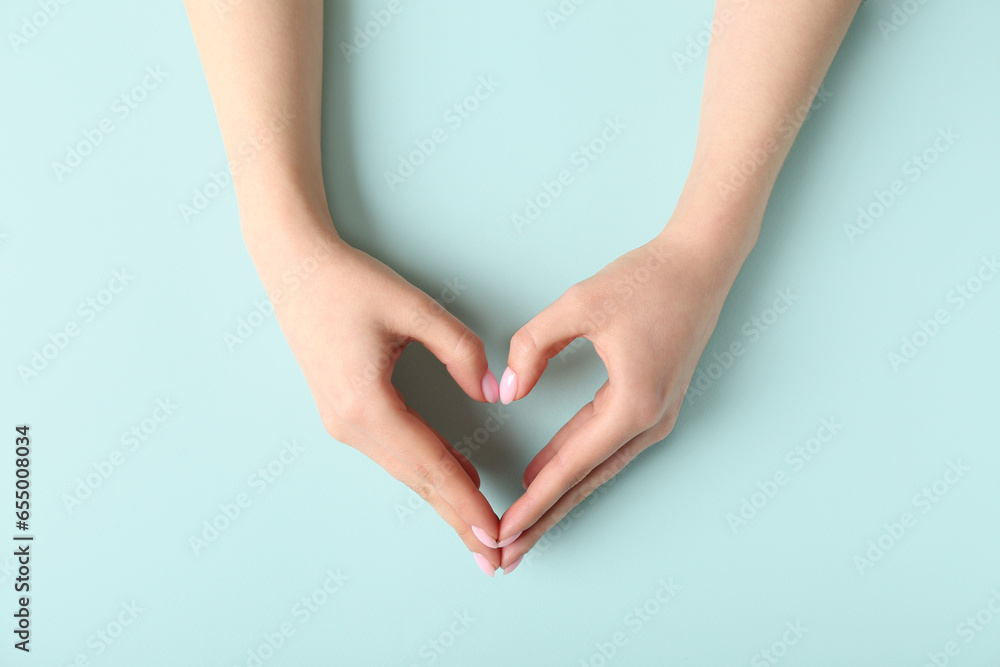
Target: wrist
pixel 285 233
pixel 282 211
pixel 729 220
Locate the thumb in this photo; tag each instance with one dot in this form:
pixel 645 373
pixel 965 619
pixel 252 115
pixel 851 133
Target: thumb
pixel 542 338
pixel 457 347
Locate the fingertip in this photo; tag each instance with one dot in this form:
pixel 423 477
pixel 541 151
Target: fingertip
pixel 491 390
pixel 484 537
pixel 485 565
pixel 510 540
pixel 510 568
pixel 508 386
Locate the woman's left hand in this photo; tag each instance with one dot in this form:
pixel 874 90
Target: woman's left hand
pixel 649 315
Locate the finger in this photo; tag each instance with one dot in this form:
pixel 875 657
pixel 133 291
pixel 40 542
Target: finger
pixel 459 456
pixel 470 469
pixel 410 441
pixel 555 444
pixel 598 476
pixel 455 345
pixel 557 441
pixel 586 448
pixel 531 347
pixel 370 448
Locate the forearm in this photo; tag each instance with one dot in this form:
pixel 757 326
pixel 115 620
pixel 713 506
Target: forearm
pixel 764 69
pixel 263 63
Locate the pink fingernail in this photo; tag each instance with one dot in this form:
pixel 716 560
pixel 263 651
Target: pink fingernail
pixel 485 565
pixel 484 537
pixel 508 386
pixel 491 390
pixel 510 540
pixel 510 568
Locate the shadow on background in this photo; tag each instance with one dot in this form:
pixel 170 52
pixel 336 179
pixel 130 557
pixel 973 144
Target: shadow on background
pixel 423 380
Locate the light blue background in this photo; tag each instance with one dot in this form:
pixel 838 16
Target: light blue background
pixel 665 517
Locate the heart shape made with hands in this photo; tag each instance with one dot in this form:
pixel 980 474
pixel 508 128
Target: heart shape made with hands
pixel 649 315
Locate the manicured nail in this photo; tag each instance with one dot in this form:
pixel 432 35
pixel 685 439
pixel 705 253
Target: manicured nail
pixel 484 537
pixel 485 565
pixel 510 540
pixel 510 568
pixel 508 386
pixel 491 390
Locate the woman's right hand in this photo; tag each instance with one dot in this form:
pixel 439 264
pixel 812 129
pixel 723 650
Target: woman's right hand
pixel 347 317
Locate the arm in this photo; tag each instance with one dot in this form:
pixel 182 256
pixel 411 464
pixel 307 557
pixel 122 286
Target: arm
pixel 651 312
pixel 346 316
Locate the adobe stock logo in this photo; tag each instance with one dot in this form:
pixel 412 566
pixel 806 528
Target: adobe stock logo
pixel 968 630
pixel 305 609
pixel 779 648
pixel 959 297
pixel 581 159
pixel 210 190
pixel 926 499
pixel 913 169
pixel 362 35
pixel 102 639
pixel 900 16
pixel 230 511
pixel 796 460
pixel 133 439
pixel 122 107
pixel 436 647
pixel 456 115
pixel 635 620
pixel 752 161
pixel 563 12
pixel 31 25
pixel 247 325
pixel 88 309
pixel 712 367
pixel 468 445
pixel 714 27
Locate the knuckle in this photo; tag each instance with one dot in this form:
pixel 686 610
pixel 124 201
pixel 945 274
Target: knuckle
pixel 617 464
pixel 334 426
pixel 645 411
pixel 577 295
pixel 608 473
pixel 571 473
pixel 581 303
pixel 424 471
pixel 469 346
pixel 425 310
pixel 396 469
pixel 436 471
pixel 663 429
pixel 580 493
pixel 448 465
pixel 524 342
pixel 461 506
pixel 353 409
pixel 425 491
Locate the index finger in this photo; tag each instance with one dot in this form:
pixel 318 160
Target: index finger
pixel 415 445
pixel 589 445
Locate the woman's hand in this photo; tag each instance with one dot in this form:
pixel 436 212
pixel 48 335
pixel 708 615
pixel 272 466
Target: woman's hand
pixel 347 318
pixel 649 315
